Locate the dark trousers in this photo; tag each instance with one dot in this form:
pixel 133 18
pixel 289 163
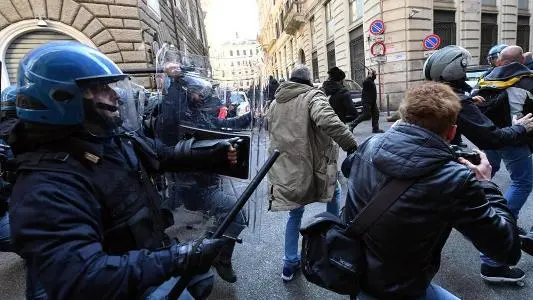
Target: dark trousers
pixel 370 111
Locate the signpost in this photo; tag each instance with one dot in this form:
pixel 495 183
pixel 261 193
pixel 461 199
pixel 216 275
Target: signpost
pixel 431 42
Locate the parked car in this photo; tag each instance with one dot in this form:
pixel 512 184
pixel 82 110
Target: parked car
pixel 355 91
pixel 240 101
pixel 474 73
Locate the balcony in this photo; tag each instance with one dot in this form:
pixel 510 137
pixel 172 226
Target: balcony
pixel 266 42
pixel 294 17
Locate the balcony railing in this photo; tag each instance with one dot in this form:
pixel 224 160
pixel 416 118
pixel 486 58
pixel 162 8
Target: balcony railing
pixel 294 17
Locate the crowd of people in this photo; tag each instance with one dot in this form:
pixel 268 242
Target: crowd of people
pixel 88 189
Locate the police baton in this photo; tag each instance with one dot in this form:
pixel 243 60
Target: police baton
pixel 219 232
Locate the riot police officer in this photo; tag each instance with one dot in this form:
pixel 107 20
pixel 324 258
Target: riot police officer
pixel 190 101
pixel 85 213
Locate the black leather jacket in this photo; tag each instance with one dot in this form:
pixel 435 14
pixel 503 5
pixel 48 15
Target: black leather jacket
pixel 403 247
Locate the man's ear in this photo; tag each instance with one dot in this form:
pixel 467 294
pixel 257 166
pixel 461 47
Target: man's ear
pixel 451 132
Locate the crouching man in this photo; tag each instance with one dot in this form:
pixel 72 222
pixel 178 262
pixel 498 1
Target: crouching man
pixel 403 246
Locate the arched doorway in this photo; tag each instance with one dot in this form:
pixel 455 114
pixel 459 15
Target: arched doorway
pixel 22 45
pixel 301 55
pixel 19 38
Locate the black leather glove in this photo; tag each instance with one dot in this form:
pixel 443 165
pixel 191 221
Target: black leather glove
pixel 197 256
pixel 203 153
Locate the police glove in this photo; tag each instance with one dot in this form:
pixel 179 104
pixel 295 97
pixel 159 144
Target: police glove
pixel 197 256
pixel 212 152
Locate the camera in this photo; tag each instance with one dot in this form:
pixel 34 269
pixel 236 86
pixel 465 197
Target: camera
pixel 471 156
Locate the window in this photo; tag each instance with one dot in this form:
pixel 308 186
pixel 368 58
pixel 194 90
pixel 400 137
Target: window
pixel 444 26
pixel 277 30
pixel 232 64
pixel 356 10
pixel 256 51
pixel 238 53
pixel 331 55
pixel 312 31
pixel 238 63
pixel 523 4
pixel 357 54
pixel 522 33
pixel 231 53
pixel 244 52
pixel 488 2
pixel 154 7
pixel 314 63
pixel 302 56
pixel 330 30
pixel 489 33
pixel 281 21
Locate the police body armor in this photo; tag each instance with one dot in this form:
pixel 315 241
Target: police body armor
pixel 130 205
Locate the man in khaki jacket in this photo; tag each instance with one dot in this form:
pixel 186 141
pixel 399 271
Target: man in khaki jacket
pixel 304 127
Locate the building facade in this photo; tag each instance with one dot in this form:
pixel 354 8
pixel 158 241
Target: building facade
pixel 236 64
pixel 128 31
pixel 327 33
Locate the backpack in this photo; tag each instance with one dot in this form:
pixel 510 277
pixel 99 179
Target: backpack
pixel 333 252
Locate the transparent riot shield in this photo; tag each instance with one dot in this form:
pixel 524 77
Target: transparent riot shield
pixel 191 107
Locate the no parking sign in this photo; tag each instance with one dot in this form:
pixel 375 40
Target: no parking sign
pixel 377 27
pixel 432 42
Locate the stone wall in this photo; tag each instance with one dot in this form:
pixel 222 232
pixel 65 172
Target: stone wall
pixel 122 29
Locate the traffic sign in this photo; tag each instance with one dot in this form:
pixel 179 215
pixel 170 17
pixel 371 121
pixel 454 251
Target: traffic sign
pixel 431 42
pixel 377 27
pixel 378 49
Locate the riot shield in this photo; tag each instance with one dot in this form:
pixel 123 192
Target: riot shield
pixel 192 108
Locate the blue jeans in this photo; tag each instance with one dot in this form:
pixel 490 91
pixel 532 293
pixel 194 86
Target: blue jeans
pixel 292 234
pixel 5 244
pixel 518 162
pixel 433 292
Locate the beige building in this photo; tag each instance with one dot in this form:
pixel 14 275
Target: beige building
pixel 236 64
pixel 324 33
pixel 128 31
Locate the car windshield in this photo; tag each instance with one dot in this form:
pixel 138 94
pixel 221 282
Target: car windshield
pixel 474 75
pixel 237 98
pixel 352 85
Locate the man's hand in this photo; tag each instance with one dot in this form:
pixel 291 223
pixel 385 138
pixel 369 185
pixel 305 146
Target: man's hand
pixel 478 99
pixel 232 155
pixel 196 256
pixel 526 121
pixel 483 171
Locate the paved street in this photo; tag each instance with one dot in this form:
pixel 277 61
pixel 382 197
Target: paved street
pixel 259 260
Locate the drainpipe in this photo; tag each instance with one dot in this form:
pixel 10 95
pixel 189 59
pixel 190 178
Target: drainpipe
pixel 172 8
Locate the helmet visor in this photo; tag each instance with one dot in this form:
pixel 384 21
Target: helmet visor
pixel 112 108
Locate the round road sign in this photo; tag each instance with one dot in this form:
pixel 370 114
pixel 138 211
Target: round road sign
pixel 378 49
pixel 377 27
pixel 431 42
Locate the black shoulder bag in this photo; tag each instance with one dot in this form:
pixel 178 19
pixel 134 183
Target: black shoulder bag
pixel 332 251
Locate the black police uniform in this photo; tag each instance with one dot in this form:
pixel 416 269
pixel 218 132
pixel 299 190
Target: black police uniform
pixel 86 215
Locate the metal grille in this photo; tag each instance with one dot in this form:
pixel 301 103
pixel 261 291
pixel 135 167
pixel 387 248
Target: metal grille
pixel 357 55
pixel 314 62
pixel 522 33
pixel 331 55
pixel 444 27
pixel 489 33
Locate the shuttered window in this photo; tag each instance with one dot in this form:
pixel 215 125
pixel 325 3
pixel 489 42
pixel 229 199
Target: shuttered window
pixel 24 44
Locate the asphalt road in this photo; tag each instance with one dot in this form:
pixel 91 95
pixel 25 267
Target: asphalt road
pixel 258 261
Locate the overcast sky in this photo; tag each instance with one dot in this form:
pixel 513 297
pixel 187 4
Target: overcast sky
pixel 227 17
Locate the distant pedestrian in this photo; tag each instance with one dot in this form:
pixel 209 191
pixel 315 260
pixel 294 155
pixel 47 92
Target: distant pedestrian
pixel 370 108
pixel 340 99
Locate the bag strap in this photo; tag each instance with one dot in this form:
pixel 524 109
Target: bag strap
pixel 378 205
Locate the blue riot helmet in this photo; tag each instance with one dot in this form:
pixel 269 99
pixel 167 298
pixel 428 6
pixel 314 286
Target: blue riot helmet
pixel 493 54
pixel 67 83
pixel 9 97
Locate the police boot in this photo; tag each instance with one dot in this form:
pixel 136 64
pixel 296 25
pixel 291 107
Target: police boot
pixel 527 242
pixel 224 266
